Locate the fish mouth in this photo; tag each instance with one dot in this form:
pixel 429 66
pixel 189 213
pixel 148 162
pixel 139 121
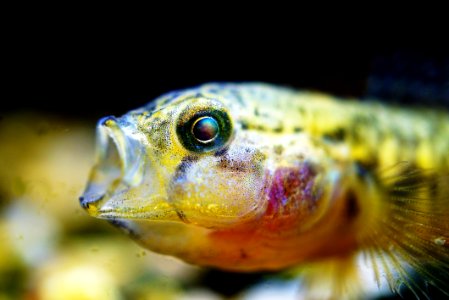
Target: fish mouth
pixel 118 185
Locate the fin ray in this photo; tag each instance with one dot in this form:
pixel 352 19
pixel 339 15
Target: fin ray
pixel 411 237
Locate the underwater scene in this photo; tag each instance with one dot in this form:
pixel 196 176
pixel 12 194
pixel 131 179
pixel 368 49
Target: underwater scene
pixel 331 184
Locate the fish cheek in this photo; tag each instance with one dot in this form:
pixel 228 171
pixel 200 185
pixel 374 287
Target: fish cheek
pixel 215 192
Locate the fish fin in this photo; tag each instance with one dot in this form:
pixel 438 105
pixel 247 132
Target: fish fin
pixel 409 243
pixel 334 278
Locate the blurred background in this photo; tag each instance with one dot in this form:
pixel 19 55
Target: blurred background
pixel 58 81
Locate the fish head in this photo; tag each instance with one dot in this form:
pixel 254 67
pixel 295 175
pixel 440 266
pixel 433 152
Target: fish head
pixel 207 170
pixel 183 159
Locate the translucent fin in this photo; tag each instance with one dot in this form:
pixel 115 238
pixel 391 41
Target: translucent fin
pixel 409 244
pixel 336 278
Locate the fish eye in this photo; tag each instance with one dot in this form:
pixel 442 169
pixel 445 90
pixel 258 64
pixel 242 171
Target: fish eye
pixel 204 131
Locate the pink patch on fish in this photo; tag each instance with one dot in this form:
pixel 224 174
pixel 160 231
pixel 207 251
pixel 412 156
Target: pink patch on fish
pixel 291 190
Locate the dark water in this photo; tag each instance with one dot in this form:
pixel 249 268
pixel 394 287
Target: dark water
pixel 90 85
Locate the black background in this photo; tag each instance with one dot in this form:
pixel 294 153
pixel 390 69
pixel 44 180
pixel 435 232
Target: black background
pixel 89 74
pixel 98 82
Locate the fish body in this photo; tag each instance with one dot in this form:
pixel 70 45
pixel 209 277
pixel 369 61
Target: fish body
pixel 249 177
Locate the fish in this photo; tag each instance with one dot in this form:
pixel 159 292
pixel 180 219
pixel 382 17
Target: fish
pixel 257 177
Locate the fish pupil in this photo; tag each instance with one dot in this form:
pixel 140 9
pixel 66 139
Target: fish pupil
pixel 205 129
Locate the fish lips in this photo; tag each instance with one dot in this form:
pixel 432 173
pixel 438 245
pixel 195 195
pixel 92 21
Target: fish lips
pixel 120 160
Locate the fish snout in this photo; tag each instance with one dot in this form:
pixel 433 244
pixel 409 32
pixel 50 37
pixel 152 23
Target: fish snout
pixel 119 162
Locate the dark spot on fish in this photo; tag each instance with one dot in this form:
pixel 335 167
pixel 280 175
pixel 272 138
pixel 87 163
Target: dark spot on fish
pixel 256 111
pixel 297 129
pixel 360 169
pixel 243 254
pixel 183 167
pixel 182 216
pixel 221 151
pixel 186 161
pixel 338 135
pixel 233 165
pixel 364 168
pixel 278 129
pixel 278 149
pixel 244 124
pixel 352 205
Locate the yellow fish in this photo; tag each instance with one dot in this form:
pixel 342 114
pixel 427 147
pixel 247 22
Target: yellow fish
pixel 248 177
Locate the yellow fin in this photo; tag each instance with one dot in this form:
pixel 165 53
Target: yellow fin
pixel 409 244
pixel 335 278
